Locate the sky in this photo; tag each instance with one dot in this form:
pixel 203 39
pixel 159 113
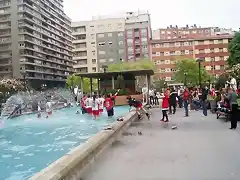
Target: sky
pixel 217 13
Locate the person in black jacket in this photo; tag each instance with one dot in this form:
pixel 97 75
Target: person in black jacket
pixel 204 100
pixel 173 102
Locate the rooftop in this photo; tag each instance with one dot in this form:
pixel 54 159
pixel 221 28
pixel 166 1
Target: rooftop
pixel 155 41
pixel 99 75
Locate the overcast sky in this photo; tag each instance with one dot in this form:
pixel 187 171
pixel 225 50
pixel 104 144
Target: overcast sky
pixel 221 13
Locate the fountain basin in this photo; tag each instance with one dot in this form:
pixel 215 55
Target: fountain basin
pixel 73 165
pixel 29 144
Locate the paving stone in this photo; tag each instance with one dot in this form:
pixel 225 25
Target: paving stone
pixel 201 148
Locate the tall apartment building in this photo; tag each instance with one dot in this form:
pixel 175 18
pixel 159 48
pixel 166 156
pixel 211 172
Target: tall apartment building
pixel 138 34
pixel 175 32
pixel 97 43
pixel 108 39
pixel 213 50
pixel 35 40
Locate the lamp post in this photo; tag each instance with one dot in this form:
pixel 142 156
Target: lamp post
pixel 185 79
pixel 105 71
pixel 24 73
pixel 199 60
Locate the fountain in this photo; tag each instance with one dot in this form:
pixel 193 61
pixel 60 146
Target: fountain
pixel 28 102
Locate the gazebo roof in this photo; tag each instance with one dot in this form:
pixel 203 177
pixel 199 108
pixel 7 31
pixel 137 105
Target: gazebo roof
pixel 110 74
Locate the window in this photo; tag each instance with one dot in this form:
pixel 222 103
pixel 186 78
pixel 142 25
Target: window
pixel 101 43
pixel 101 35
pixel 101 52
pixel 120 34
pixel 158 54
pixel 102 60
pixel 120 42
pixel 162 32
pixel 220 49
pixel 109 34
pixel 172 53
pixel 94 61
pixel 121 51
pixel 94 69
pixel 110 43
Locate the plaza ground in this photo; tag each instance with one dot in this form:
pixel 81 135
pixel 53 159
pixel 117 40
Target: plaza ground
pixel 202 148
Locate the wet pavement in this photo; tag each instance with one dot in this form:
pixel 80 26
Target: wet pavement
pixel 201 148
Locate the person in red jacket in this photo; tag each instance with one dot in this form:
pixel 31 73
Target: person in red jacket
pixel 109 103
pixel 165 106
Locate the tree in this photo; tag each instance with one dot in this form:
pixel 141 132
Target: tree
pixel 190 68
pixel 234 50
pixel 221 81
pixel 73 81
pixel 137 65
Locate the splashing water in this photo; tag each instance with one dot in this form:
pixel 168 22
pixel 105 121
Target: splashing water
pixel 28 102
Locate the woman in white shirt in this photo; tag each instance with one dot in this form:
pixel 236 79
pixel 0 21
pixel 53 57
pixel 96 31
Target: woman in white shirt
pixel 88 103
pixel 95 107
pixel 101 103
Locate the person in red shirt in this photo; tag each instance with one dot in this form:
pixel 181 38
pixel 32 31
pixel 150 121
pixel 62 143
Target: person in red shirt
pixel 165 106
pixel 109 103
pixel 186 100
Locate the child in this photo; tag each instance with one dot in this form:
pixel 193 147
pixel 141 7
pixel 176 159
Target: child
pixel 138 106
pixel 165 106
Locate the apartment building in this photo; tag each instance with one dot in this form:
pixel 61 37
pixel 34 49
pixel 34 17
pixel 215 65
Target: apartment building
pixel 111 39
pixel 98 42
pixel 138 34
pixel 35 41
pixel 175 32
pixel 213 50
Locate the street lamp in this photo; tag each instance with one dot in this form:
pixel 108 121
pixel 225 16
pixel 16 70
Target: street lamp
pixel 24 73
pixel 104 67
pixel 185 79
pixel 199 60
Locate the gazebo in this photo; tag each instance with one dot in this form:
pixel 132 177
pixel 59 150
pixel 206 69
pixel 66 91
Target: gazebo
pixel 107 80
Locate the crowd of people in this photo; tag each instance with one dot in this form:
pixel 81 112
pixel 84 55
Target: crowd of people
pixel 198 99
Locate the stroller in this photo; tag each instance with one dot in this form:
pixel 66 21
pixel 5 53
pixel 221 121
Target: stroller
pixel 223 109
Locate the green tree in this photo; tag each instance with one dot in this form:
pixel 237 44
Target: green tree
pixel 190 68
pixel 73 81
pixel 234 50
pixel 221 81
pixel 137 65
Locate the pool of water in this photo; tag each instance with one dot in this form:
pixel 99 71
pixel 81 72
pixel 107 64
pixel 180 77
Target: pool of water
pixel 29 144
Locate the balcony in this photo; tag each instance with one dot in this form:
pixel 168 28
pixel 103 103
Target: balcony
pixel 81 49
pixel 80 57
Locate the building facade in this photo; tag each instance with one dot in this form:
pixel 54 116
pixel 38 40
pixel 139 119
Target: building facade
pixel 165 54
pixel 35 41
pixel 111 39
pixel 175 32
pixel 97 42
pixel 138 34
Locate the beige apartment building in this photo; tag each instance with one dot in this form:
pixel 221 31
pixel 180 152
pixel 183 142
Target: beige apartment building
pixel 96 38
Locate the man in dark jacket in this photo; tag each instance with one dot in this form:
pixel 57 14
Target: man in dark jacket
pixel 172 102
pixel 204 100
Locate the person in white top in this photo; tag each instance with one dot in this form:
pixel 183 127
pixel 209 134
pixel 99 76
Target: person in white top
pixel 49 108
pixel 39 111
pixel 233 83
pixel 151 95
pixel 95 106
pixel 88 103
pixel 101 103
pixel 144 93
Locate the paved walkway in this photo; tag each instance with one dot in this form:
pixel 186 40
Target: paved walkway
pixel 202 148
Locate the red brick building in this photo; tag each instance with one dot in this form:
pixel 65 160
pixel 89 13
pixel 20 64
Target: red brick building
pixel 213 50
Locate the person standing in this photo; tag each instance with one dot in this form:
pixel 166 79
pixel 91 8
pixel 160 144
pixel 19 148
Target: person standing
pixel 232 97
pixel 172 102
pixel 165 106
pixel 204 100
pixel 151 95
pixel 180 101
pixel 145 93
pixel 186 101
